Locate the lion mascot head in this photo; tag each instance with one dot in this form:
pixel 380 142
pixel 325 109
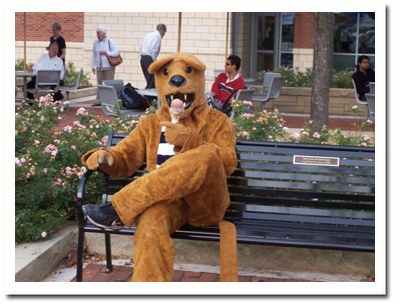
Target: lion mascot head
pixel 181 76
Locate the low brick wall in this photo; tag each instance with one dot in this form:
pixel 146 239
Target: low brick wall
pixel 298 100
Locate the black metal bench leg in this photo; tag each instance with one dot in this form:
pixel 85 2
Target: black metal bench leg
pixel 79 257
pixel 108 253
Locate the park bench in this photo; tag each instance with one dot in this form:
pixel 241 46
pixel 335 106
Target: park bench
pixel 287 194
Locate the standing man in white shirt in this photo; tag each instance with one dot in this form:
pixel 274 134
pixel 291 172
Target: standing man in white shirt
pixel 48 61
pixel 149 50
pixel 103 47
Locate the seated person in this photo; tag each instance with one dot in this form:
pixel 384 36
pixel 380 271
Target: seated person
pixel 363 76
pixel 226 85
pixel 48 61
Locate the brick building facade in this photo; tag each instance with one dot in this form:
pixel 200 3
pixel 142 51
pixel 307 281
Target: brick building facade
pixel 38 26
pixel 210 36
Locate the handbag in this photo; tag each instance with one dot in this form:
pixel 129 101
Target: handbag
pixel 114 61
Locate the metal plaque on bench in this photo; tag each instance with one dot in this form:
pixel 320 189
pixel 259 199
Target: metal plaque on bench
pixel 316 160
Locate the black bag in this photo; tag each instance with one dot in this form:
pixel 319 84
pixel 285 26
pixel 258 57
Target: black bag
pixel 221 106
pixel 131 99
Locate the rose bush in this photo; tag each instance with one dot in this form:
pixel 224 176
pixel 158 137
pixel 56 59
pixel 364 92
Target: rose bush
pixel 47 163
pixel 336 137
pixel 257 125
pixel 293 77
pixel 270 126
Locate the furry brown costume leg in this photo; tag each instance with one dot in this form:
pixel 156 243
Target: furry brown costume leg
pixel 154 250
pixel 204 179
pixel 228 252
pixel 199 179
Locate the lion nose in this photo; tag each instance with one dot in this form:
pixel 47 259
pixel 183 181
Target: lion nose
pixel 177 81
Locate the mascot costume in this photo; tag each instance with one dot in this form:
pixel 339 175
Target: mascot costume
pixel 189 149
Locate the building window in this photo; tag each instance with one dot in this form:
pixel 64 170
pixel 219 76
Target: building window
pixel 274 41
pixel 354 36
pixel 287 40
pixel 265 42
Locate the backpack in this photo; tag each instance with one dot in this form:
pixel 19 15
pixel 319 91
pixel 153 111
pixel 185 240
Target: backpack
pixel 131 99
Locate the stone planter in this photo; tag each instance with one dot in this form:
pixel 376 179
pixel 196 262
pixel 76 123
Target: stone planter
pixel 83 92
pixel 298 100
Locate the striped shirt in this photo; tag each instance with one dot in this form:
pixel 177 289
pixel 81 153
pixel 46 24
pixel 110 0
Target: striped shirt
pixel 165 150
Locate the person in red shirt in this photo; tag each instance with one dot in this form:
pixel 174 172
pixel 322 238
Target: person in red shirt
pixel 226 85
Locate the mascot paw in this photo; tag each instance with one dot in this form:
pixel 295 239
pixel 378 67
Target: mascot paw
pixel 176 134
pixel 100 157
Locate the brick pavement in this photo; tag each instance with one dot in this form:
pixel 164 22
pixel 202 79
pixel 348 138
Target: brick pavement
pixel 97 273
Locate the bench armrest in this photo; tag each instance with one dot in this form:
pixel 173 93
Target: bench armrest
pixel 81 192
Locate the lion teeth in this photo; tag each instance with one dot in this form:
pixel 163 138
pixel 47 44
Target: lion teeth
pixel 184 105
pixel 171 97
pixel 185 97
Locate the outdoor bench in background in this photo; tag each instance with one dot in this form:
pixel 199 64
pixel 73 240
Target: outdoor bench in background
pixel 287 194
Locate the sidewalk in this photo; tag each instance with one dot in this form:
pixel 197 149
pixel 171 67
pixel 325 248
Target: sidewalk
pixel 95 271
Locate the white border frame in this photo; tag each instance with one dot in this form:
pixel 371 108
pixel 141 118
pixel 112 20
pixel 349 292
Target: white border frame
pixel 7 124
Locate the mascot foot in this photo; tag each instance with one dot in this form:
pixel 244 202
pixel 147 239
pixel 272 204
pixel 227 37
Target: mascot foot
pixel 103 216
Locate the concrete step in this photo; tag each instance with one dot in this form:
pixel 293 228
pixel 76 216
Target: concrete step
pixel 36 260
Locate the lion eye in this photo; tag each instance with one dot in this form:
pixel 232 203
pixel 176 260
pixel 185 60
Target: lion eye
pixel 188 70
pixel 165 71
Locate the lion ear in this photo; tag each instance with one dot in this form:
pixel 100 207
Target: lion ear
pixel 193 62
pixel 155 66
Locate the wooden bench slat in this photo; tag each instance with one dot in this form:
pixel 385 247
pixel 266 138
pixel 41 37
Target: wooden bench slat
pixel 307 219
pixel 304 236
pixel 359 232
pixel 308 177
pixel 307 242
pixel 246 165
pixel 302 186
pixel 265 192
pixel 241 145
pixel 289 148
pixel 289 159
pixel 301 211
pixel 304 203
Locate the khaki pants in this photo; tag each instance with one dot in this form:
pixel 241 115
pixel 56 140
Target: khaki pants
pixel 104 75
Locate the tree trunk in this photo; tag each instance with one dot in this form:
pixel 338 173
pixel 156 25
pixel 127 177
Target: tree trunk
pixel 322 69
